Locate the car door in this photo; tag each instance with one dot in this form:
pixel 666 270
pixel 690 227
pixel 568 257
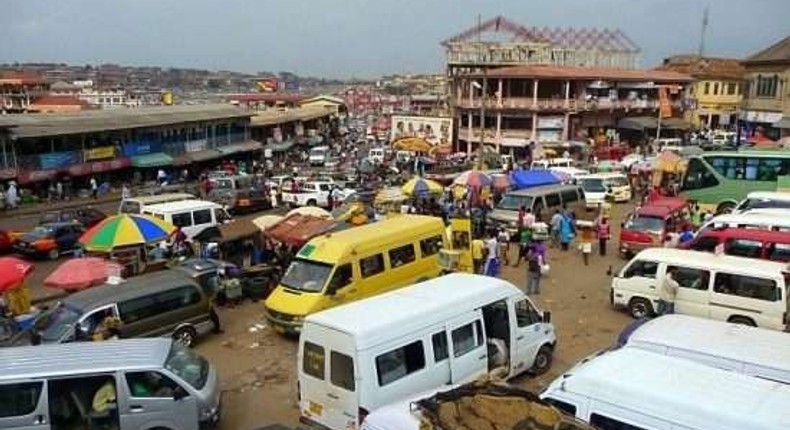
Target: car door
pixel 638 280
pixel 24 406
pixel 528 335
pixel 153 400
pixel 468 351
pixel 693 295
pixel 64 238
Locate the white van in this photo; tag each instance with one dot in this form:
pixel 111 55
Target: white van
pixel 763 200
pixel 193 216
pixel 764 219
pixel 635 389
pixel 720 287
pixel 376 155
pixel 735 347
pixel 134 384
pixel 135 205
pixel 318 155
pixel 450 330
pixel 547 163
pixel 600 187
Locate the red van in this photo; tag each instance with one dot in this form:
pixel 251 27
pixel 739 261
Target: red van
pixel 742 242
pixel 649 225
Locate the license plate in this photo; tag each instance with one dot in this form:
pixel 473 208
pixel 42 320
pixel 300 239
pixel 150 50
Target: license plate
pixel 315 409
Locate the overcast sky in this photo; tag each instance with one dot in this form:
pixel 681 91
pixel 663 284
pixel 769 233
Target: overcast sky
pixel 352 38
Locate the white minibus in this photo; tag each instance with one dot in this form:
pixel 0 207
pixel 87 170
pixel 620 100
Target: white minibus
pixel 600 187
pixel 193 216
pixel 736 347
pixel 639 390
pixel 765 219
pixel 764 200
pixel 720 287
pixel 135 205
pixel 358 357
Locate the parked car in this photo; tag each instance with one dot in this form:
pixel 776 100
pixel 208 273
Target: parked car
pixel 88 217
pixel 50 240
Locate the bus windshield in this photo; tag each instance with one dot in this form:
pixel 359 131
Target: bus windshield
pixel 593 185
pixel 617 181
pixel 512 202
pixel 306 275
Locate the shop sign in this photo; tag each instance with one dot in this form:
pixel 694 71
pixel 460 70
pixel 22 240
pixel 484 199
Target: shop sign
pixel 100 153
pixel 99 166
pixel 196 145
pixel 36 176
pixel 132 149
pixel 57 160
pixel 7 173
pixel 433 129
pixel 551 122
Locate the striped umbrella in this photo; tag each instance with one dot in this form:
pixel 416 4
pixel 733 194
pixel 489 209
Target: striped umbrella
pixel 420 187
pixel 473 178
pixel 125 230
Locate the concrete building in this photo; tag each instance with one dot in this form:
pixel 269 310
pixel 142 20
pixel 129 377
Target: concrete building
pixel 335 104
pixel 717 91
pixel 766 103
pixel 18 90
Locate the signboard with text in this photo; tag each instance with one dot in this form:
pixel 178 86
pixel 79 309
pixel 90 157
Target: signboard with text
pixel 434 129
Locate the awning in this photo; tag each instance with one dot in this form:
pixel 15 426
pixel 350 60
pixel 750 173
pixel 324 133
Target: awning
pixel 783 123
pixel 196 156
pixel 640 123
pixel 99 166
pixel 279 147
pixel 675 124
pixel 28 177
pixel 246 146
pixel 156 159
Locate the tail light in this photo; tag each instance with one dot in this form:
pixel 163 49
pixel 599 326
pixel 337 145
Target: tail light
pixel 362 413
pixel 45 244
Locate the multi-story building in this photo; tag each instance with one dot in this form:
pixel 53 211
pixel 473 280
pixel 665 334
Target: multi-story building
pixel 18 90
pixel 717 91
pixel 766 103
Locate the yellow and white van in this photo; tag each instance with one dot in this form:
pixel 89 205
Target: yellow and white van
pixel 353 264
pixel 600 187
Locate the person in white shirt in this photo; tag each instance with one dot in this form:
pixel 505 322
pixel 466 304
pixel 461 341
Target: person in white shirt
pixel 667 292
pixel 492 252
pixel 529 219
pixel 161 176
pixel 94 188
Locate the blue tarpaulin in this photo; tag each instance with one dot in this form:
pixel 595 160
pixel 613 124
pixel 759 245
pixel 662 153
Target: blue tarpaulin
pixel 533 178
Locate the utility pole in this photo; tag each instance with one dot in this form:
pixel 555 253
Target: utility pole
pixel 703 31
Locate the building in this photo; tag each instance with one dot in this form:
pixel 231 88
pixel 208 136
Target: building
pixel 766 104
pixel 18 89
pixel 716 94
pixel 335 104
pixel 57 104
pixel 550 104
pixel 260 101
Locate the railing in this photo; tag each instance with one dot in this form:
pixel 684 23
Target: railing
pixel 528 103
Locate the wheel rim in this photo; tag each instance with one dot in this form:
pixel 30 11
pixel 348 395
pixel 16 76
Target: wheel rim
pixel 541 361
pixel 638 310
pixel 184 338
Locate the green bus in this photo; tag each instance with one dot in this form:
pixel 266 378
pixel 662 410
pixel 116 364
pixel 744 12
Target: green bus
pixel 721 179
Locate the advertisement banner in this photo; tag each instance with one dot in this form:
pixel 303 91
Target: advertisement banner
pixel 57 160
pixel 196 145
pixel 267 85
pixel 100 153
pixel 291 86
pixel 132 149
pixel 551 122
pixel 435 130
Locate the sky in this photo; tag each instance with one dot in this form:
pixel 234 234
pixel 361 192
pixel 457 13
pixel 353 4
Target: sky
pixel 353 38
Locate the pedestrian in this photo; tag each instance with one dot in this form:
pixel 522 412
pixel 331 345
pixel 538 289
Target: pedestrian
pixel 667 292
pixel 556 221
pixel 604 234
pixel 125 191
pixel 586 243
pixel 477 255
pixel 504 243
pixel 492 252
pixel 567 231
pixel 534 263
pixel 94 188
pixel 273 196
pixel 686 235
pixel 12 198
pixel 529 219
pixel 161 177
pixel 59 190
pixel 524 240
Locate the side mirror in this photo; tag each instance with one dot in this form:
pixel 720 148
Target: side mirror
pixel 179 393
pixel 546 317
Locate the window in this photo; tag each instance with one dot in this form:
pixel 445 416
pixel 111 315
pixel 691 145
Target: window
pixel 313 360
pixel 563 406
pixel 19 399
pixel 715 88
pixel 694 279
pixel 605 423
pixel 705 244
pixel 744 248
pixel 341 371
pixel 552 200
pixel 463 340
pixel 707 88
pixel 569 196
pixel 526 314
pixel 750 169
pixel 748 287
pixel 642 269
pixel 440 350
pixel 401 255
pixel 341 278
pixel 779 252
pixel 767 86
pixel 731 89
pixel 137 309
pixel 182 220
pixel 177 298
pixel 431 245
pixel 698 176
pixel 202 216
pixel 150 384
pixel 221 216
pixel 372 265
pixel 400 362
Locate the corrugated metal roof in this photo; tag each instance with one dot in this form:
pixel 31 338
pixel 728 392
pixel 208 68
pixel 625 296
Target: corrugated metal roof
pixel 38 125
pixel 299 114
pixel 778 52
pixel 27 362
pixel 705 67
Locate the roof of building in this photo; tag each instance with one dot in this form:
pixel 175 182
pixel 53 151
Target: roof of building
pixel 591 73
pixel 271 117
pixel 778 52
pixel 39 125
pixel 63 85
pixel 272 98
pixel 58 100
pixel 324 97
pixel 704 67
pixel 20 78
pixel 613 40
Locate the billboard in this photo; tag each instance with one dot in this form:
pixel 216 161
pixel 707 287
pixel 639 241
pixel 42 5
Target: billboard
pixel 267 85
pixel 436 130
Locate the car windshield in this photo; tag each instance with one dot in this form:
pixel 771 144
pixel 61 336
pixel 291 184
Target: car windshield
pixel 130 207
pixel 53 325
pixel 306 275
pixel 189 366
pixel 223 184
pixel 617 181
pixel 512 202
pixel 645 224
pixel 765 204
pixel 40 232
pixel 593 185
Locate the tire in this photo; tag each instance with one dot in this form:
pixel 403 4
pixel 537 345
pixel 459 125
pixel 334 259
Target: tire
pixel 640 308
pixel 53 254
pixel 742 321
pixel 185 336
pixel 542 361
pixel 725 208
pixel 311 202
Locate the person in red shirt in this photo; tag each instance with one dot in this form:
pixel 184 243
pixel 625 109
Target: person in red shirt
pixel 604 231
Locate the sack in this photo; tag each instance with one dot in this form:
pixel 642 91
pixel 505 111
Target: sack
pixel 544 269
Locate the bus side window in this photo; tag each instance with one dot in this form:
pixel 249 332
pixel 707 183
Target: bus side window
pixel 698 176
pixel 341 278
pixel 563 406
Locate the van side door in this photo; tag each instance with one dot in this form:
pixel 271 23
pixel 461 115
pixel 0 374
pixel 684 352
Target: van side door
pixel 468 350
pixel 528 333
pixel 24 406
pixel 694 293
pixel 149 401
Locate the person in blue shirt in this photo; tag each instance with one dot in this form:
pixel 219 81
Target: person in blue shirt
pixel 686 235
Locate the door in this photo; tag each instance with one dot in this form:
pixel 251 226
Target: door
pixel 342 288
pixel 528 335
pixel 694 290
pixel 154 400
pixel 24 406
pixel 468 351
pixel 65 238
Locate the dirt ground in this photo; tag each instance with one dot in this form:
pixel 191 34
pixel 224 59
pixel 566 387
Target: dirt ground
pixel 258 367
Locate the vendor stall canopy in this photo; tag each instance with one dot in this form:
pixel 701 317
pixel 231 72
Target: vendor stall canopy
pixel 642 123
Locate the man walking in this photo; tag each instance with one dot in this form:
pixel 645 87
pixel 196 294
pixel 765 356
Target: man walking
pixel 604 234
pixel 533 272
pixel 94 188
pixel 667 293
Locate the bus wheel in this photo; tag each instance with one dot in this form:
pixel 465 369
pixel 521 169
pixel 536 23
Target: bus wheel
pixel 725 208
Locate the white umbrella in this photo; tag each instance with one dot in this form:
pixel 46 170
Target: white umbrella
pixel 266 221
pixel 310 210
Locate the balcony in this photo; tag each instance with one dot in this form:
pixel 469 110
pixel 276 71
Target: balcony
pixel 558 104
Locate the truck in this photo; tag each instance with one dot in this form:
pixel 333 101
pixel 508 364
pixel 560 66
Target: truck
pixel 312 193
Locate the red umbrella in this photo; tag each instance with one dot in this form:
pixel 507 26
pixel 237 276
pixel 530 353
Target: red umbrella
pixel 81 273
pixel 12 272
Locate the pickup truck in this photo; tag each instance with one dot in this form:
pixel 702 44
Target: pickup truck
pixel 311 193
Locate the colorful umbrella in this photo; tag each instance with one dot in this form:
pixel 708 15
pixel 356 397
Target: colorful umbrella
pixel 81 273
pixel 265 221
pixel 473 178
pixel 501 182
pixel 125 230
pixel 419 187
pixel 12 272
